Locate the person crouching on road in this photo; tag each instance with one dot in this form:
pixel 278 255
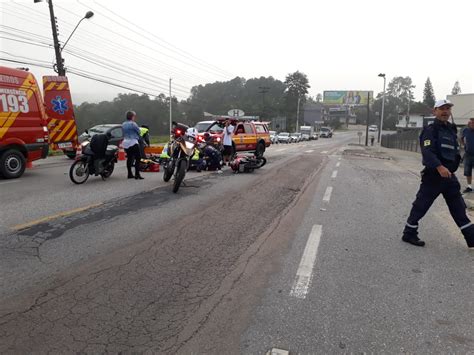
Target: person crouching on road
pixel 467 139
pixel 440 151
pixel 211 155
pixel 227 141
pixel 131 138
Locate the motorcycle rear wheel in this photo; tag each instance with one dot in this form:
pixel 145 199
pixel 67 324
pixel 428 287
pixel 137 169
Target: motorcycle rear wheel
pixel 180 173
pixel 79 172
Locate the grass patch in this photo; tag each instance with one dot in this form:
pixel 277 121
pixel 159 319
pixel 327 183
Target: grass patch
pixel 159 139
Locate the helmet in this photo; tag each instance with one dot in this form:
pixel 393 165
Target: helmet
pixel 192 132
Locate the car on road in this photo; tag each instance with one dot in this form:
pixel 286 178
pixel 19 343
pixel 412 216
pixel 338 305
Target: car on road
pixel 373 128
pixel 284 137
pixel 273 137
pixel 325 132
pixel 115 130
pixel 314 136
pixel 296 137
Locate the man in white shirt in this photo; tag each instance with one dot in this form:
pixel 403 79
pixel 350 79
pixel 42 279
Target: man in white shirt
pixel 227 141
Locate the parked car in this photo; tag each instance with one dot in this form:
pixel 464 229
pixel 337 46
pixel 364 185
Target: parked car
pixel 273 137
pixel 305 137
pixel 284 137
pixel 314 136
pixel 115 130
pixel 373 128
pixel 325 132
pixel 296 137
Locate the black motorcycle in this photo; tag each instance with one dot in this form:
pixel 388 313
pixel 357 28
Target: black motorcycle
pixel 97 158
pixel 180 150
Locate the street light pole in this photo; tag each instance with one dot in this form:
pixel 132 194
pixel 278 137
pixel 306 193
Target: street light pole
pixel 57 47
pixel 171 112
pixel 383 107
pixel 297 114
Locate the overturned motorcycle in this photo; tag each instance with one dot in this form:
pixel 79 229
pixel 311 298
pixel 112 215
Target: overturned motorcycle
pixel 246 163
pixel 180 151
pixel 98 158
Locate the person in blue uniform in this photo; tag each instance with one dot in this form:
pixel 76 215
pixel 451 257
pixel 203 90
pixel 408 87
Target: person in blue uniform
pixel 441 158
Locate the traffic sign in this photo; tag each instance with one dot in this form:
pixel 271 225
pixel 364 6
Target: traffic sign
pixel 235 112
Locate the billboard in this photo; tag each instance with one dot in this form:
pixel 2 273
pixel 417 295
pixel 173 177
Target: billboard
pixel 347 97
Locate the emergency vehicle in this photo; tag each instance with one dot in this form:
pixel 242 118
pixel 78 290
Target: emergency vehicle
pixel 29 126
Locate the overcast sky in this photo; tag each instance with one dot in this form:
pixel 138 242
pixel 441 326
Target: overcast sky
pixel 339 44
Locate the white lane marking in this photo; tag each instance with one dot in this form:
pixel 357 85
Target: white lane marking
pixel 334 174
pixel 338 164
pixel 309 151
pixel 9 182
pixel 339 159
pixel 327 194
pixel 324 152
pixel 281 150
pixel 305 269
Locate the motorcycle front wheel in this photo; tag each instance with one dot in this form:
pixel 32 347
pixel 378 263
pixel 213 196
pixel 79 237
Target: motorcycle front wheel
pixel 180 173
pixel 79 172
pixel 168 171
pixel 108 170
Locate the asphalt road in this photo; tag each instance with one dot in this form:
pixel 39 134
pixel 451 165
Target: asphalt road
pixel 302 255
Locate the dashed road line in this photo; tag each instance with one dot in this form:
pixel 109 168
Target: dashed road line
pixel 281 150
pixel 334 174
pixel 324 152
pixel 327 194
pixel 338 164
pixel 309 151
pixel 305 269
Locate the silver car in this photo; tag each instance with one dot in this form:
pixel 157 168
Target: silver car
pixel 284 137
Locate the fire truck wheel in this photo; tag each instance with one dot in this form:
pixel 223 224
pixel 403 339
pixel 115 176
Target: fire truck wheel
pixel 12 164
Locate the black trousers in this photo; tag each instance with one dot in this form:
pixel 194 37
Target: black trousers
pixel 433 185
pixel 133 158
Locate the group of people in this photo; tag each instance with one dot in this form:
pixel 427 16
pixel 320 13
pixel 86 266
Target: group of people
pixel 206 156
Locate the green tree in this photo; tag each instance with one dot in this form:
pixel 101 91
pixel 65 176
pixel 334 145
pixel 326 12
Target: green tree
pixel 428 94
pixel 297 85
pixel 456 88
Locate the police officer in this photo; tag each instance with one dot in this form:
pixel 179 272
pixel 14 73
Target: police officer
pixel 440 151
pixel 144 140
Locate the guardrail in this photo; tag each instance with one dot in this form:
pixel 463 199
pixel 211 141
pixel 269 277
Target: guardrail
pixel 408 140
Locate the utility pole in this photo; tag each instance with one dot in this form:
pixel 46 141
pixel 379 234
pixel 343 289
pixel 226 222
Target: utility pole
pixel 368 119
pixel 297 114
pixel 263 91
pixel 383 107
pixel 57 48
pixel 171 110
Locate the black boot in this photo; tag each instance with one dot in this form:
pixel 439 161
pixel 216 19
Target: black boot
pixel 413 239
pixel 139 177
pixel 469 235
pixel 130 175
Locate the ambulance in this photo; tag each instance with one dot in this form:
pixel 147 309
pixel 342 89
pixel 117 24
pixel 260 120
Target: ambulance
pixel 31 126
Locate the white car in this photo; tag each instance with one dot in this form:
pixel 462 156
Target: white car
pixel 284 137
pixel 373 128
pixel 273 137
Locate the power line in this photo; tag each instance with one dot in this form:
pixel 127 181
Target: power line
pixel 186 54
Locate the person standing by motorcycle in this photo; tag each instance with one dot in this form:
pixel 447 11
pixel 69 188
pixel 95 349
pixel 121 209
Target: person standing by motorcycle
pixel 227 141
pixel 144 139
pixel 131 139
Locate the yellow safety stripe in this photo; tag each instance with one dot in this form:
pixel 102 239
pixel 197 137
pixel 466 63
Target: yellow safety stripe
pixel 65 130
pixel 71 134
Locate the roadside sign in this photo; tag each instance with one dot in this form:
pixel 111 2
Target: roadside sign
pixel 235 112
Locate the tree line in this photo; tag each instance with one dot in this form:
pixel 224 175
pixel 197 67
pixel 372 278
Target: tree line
pixel 265 97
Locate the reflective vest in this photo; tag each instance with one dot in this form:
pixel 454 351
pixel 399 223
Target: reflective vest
pixel 143 131
pixel 164 152
pixel 196 155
